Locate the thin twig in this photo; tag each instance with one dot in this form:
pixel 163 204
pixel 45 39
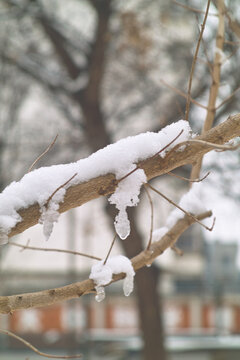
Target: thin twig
pixel 183 94
pixel 193 9
pixel 110 249
pixel 27 247
pixel 151 226
pixel 45 152
pixel 228 98
pixel 189 180
pixel 60 187
pixel 33 348
pixel 216 73
pixel 194 62
pixel 180 208
pixel 177 250
pixel 215 146
pixel 151 157
pixel 208 61
pixel 11 303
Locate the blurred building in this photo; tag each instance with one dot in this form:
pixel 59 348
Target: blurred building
pixel 201 296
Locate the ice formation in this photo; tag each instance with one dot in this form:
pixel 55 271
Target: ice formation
pixel 102 274
pixel 126 194
pixel 49 212
pixel 37 186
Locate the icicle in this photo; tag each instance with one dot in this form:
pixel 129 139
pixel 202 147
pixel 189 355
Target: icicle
pixel 127 195
pixel 122 224
pixel 128 285
pixel 100 293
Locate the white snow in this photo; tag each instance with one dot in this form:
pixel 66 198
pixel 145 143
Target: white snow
pixel 102 274
pixel 50 214
pixel 125 195
pixel 191 202
pixel 37 186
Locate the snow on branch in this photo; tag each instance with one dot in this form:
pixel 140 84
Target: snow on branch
pixel 97 175
pixel 9 304
pixel 47 186
pixel 102 274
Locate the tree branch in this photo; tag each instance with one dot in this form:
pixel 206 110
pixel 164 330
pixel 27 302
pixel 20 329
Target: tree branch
pixel 8 304
pixel 79 194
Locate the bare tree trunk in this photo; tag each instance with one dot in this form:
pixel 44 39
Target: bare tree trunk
pixel 150 313
pixel 148 298
pixel 89 100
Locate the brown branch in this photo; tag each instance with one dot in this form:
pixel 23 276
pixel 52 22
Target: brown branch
pixel 180 208
pixel 183 94
pixel 194 61
pixel 216 69
pixel 151 226
pixel 79 194
pixel 228 98
pixel 33 348
pixel 110 249
pixel 60 187
pixel 178 251
pixel 215 146
pixel 216 72
pixel 9 304
pixel 152 157
pixel 43 153
pixel 189 180
pixel 193 9
pixel 27 247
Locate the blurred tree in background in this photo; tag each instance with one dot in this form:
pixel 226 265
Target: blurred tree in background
pixel 95 71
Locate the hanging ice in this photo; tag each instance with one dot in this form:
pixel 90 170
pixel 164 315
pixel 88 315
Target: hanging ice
pixel 102 274
pixel 122 224
pixel 50 213
pixel 38 185
pixel 100 293
pixel 128 284
pixel 127 194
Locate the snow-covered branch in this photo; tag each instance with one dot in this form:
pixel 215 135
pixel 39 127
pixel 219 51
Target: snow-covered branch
pixel 20 208
pixel 8 304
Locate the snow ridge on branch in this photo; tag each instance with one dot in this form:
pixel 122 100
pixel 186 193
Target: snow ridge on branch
pixel 38 186
pixel 19 208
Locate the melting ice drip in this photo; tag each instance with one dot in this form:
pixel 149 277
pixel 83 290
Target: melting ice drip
pixel 102 274
pixel 127 194
pixel 100 296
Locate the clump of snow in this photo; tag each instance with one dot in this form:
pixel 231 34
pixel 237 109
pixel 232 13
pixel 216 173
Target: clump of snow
pixel 49 212
pixel 191 202
pixel 102 274
pixel 126 194
pixel 37 186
